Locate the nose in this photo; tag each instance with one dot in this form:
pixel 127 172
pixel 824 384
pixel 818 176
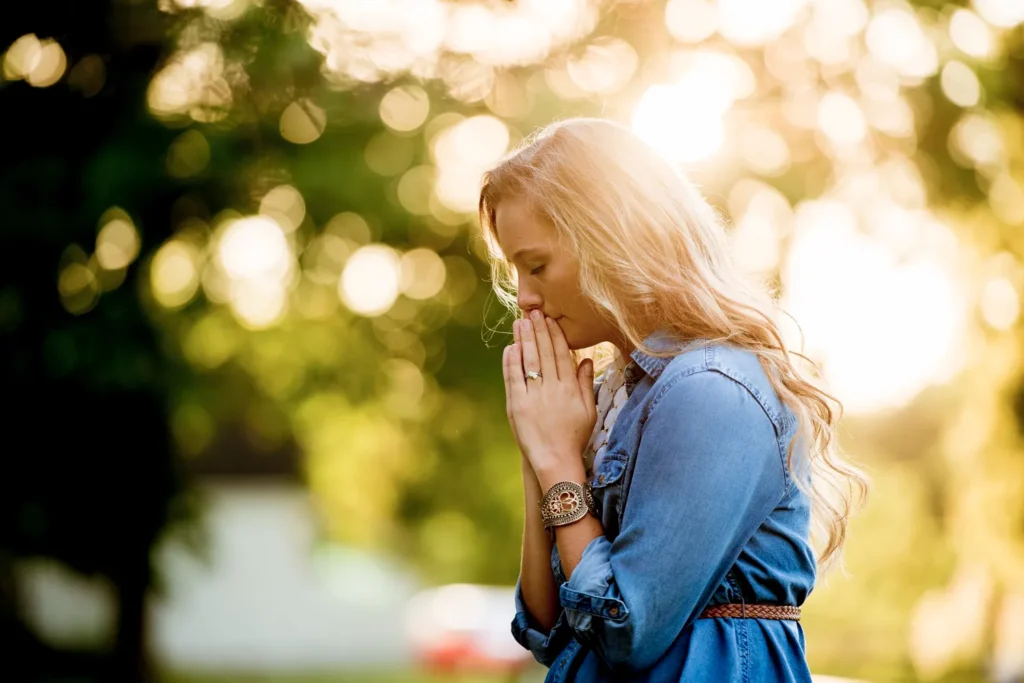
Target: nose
pixel 528 299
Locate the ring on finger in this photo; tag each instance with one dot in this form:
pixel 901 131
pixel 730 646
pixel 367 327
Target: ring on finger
pixel 534 374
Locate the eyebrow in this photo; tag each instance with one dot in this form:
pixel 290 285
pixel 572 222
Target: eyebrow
pixel 529 250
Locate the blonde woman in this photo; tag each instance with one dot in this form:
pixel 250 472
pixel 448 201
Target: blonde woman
pixel 670 503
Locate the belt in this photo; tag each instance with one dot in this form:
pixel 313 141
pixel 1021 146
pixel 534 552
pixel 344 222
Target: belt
pixel 751 612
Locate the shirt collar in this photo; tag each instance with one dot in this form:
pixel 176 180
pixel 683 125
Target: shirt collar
pixel 659 340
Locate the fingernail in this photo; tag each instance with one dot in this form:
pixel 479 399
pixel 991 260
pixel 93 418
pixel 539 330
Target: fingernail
pixel 536 315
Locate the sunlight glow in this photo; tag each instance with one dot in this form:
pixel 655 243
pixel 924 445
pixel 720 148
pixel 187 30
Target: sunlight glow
pixel 762 217
pixel 755 22
pixel 371 41
pixel 605 66
pixel 895 37
pixel 883 327
pixel 462 152
pixel 691 21
pixel 667 118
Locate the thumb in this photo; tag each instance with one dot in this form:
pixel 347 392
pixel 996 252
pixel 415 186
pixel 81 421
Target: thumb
pixel 585 376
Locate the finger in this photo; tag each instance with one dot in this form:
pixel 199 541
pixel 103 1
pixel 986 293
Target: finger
pixel 585 377
pixel 506 365
pixel 517 335
pixel 531 358
pixel 545 351
pixel 517 382
pixel 505 355
pixel 563 357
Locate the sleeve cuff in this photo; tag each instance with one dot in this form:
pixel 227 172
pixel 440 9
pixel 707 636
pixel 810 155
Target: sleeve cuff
pixel 586 592
pixel 545 645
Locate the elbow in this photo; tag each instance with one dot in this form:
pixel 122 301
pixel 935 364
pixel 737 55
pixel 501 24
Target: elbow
pixel 624 641
pixel 619 646
pixel 539 643
pixel 612 632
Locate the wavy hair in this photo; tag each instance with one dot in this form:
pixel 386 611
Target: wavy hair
pixel 651 248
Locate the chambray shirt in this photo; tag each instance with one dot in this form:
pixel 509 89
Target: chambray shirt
pixel 698 509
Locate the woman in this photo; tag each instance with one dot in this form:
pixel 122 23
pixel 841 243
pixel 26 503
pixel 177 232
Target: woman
pixel 668 512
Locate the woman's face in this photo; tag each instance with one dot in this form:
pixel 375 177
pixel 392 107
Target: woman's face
pixel 547 274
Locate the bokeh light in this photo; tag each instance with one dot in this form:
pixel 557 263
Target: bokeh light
pixel 960 84
pixel 405 108
pixel 691 21
pixel 1001 13
pixel 174 274
pixel 895 37
pixel 188 155
pixel 971 34
pixel 423 273
pixel 117 243
pixel 369 284
pixel 192 84
pixel 302 122
pixel 605 66
pixel 754 22
pixel 259 264
pixel 1000 303
pixel 40 62
pixel 285 206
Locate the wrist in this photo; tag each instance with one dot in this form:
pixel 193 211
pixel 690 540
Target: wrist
pixel 564 470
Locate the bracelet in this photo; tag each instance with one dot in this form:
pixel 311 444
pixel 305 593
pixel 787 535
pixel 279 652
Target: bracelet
pixel 566 502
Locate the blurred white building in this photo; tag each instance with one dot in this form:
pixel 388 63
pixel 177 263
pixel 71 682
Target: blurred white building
pixel 270 597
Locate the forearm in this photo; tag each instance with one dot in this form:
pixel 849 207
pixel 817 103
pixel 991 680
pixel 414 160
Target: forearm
pixel 572 539
pixel 536 580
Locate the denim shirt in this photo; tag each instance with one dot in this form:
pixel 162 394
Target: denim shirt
pixel 698 509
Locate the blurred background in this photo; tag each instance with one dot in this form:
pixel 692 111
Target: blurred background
pixel 253 413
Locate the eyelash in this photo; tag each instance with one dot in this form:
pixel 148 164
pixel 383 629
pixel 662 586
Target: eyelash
pixel 536 271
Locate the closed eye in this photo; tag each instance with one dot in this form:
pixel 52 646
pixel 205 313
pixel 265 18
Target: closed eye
pixel 537 270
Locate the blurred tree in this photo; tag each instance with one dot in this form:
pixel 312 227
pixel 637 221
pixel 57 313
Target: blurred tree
pixel 91 477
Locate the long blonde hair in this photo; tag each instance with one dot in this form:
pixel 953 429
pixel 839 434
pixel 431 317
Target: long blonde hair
pixel 650 247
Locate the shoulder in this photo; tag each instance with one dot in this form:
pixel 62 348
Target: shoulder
pixel 717 404
pixel 725 378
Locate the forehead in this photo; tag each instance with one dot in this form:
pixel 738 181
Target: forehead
pixel 519 227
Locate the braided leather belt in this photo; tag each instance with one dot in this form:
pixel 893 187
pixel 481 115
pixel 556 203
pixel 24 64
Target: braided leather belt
pixel 752 612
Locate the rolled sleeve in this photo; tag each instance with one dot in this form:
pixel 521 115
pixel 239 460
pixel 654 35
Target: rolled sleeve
pixel 544 645
pixel 708 472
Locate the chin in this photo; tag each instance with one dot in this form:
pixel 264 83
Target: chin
pixel 572 339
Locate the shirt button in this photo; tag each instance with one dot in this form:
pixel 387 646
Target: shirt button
pixel 614 611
